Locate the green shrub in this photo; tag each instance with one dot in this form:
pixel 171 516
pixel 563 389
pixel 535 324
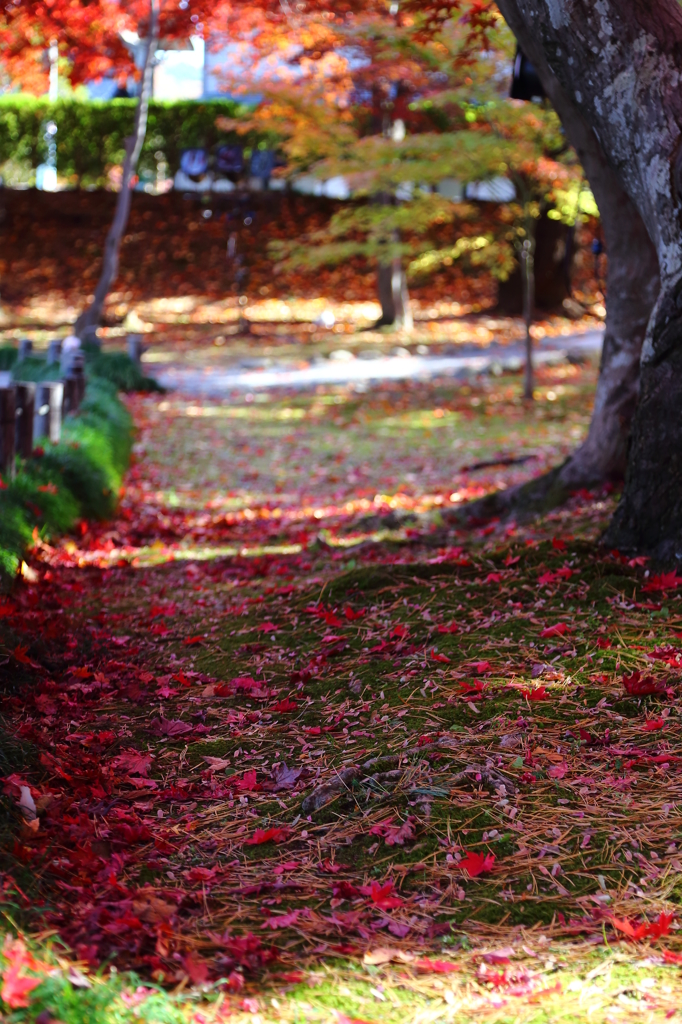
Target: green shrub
pixel 34 368
pixel 91 133
pixel 8 357
pixel 78 478
pixel 119 369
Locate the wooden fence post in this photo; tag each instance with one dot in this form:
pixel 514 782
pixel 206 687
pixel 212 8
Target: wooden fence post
pixel 25 410
pixel 25 349
pixel 135 347
pixel 8 426
pixel 54 351
pixel 74 383
pixel 48 411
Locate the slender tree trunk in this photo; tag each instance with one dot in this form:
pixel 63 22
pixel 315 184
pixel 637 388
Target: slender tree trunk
pixel 88 321
pixel 528 278
pixel 620 61
pixel 394 297
pixel 386 295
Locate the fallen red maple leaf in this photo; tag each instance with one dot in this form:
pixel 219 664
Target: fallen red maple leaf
pixel 560 629
pixel 477 863
pixel 285 705
pixel 16 983
pixel 19 654
pixel 267 835
pixel 653 724
pixel 671 958
pixel 439 657
pixel 661 926
pixel 539 693
pixel 435 966
pixel 666 581
pixel 381 895
pixel 638 685
pixel 654 929
pixel 16 987
pixel 247 782
pixel 190 641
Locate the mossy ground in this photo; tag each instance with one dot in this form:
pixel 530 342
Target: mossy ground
pixel 224 630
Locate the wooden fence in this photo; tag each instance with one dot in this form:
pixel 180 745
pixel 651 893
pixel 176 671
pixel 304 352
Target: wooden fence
pixel 33 411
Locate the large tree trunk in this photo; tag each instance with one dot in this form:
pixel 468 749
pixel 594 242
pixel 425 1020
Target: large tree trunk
pixel 632 282
pixel 88 321
pixel 620 61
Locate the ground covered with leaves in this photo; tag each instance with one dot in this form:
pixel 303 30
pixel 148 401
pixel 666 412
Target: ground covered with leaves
pixel 289 743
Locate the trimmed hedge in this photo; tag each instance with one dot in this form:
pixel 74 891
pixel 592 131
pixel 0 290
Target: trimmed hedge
pixel 78 478
pixel 91 133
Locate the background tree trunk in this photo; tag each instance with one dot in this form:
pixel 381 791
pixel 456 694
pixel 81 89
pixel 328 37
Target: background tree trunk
pixel 553 258
pixel 393 296
pixel 89 320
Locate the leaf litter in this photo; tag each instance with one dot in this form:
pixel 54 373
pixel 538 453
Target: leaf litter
pixel 385 748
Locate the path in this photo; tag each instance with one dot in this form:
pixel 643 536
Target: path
pixel 346 369
pixel 308 748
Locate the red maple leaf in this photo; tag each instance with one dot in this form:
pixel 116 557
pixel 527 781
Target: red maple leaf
pixel 629 928
pixel 267 835
pixel 247 782
pixel 644 930
pixel 353 615
pixel 539 693
pixel 560 629
pixel 382 895
pixel 671 958
pixel 477 863
pixel 666 581
pixel 638 685
pixel 16 984
pixel 190 641
pixel 287 704
pixel 439 657
pixel 661 926
pixel 435 966
pixel 653 724
pixel 16 987
pixel 19 654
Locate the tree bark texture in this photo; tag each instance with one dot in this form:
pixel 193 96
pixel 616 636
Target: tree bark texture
pixel 621 62
pixel 632 284
pixel 89 319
